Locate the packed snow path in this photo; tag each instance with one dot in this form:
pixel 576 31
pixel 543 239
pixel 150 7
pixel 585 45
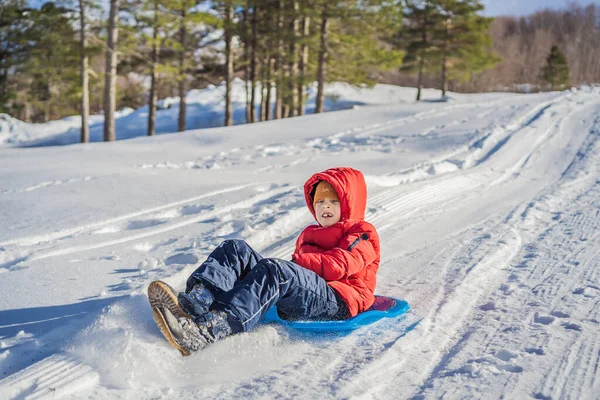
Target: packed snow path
pixel 488 209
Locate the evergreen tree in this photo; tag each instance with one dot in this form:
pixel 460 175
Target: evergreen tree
pixel 352 43
pixel 419 37
pixel 13 48
pixel 462 40
pixel 359 41
pixel 191 24
pixel 86 25
pixel 52 61
pixel 110 84
pixel 556 70
pixel 228 33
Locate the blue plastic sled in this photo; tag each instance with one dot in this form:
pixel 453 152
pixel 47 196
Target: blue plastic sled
pixel 383 307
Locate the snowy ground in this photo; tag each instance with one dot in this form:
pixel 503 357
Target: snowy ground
pixel 488 208
pixel 204 110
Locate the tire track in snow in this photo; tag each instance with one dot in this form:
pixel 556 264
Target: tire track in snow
pixel 151 231
pixel 407 364
pixel 447 189
pixel 54 377
pixel 33 240
pixel 542 322
pixel 456 188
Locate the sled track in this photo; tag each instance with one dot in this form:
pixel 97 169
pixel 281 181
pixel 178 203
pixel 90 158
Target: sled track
pixel 185 221
pixel 553 299
pixel 467 271
pixel 53 377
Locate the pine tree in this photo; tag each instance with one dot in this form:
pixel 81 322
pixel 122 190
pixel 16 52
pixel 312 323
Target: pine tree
pixel 353 42
pixel 556 70
pixel 187 32
pixel 51 67
pixel 110 84
pixel 228 33
pixel 13 48
pixel 85 51
pixel 142 40
pixel 423 22
pixel 360 41
pixel 462 40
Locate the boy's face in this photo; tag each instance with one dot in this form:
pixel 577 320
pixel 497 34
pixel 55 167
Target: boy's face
pixel 328 211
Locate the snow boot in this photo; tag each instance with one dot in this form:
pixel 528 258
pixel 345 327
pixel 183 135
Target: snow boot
pixel 163 296
pixel 188 335
pixel 192 304
pixel 196 301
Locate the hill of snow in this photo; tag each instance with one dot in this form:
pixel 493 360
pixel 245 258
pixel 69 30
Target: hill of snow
pixel 488 210
pixel 204 109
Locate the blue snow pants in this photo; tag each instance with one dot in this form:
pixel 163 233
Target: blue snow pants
pixel 246 285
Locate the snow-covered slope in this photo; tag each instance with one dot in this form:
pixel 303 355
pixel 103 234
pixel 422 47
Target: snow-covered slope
pixel 488 209
pixel 204 110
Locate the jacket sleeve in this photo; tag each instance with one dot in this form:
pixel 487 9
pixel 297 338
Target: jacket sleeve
pixel 302 246
pixel 341 262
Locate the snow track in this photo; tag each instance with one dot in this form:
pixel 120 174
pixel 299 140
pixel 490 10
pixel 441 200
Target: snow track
pixel 53 378
pixel 488 211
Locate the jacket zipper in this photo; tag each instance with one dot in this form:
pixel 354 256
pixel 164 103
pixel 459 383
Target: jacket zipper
pixel 364 236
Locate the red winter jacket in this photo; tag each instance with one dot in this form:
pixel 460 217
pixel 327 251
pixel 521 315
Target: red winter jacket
pixel 346 254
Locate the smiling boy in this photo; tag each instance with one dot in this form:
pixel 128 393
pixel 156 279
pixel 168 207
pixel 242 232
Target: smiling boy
pixel 331 275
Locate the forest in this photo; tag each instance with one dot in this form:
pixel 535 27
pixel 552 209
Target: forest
pixel 82 57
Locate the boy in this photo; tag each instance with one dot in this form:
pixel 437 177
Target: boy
pixel 331 275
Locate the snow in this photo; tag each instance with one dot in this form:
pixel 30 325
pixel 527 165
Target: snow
pixel 487 206
pixel 204 110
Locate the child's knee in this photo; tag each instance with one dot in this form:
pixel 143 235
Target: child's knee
pixel 236 244
pixel 272 267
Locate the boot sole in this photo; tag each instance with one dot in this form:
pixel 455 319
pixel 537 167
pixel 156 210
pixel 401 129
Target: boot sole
pixel 161 295
pixel 164 329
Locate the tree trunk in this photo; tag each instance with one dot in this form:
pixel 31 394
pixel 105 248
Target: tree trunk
pixel 85 92
pixel 48 103
pixel 302 66
pixel 110 85
pixel 253 63
pixel 293 73
pixel 246 41
pixel 228 62
pixel 420 79
pixel 279 63
pixel 27 111
pixel 445 56
pixel 321 73
pixel 422 59
pixel 268 85
pixel 263 95
pixel 154 75
pixel 181 122
pixel 4 86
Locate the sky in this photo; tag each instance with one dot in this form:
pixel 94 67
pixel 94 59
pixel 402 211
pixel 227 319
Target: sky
pixel 521 7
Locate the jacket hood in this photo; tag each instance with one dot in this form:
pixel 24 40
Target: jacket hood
pixel 350 187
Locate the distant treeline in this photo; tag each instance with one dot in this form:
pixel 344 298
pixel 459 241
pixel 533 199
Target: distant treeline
pixel 523 44
pixel 72 56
